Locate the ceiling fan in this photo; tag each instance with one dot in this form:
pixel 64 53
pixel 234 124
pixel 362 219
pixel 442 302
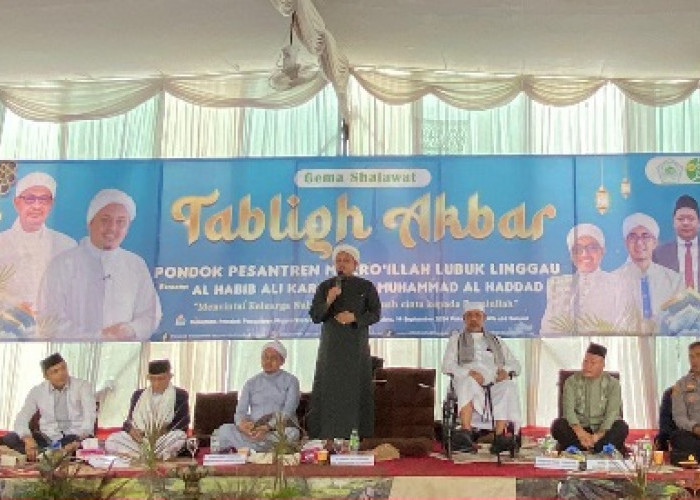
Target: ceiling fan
pixel 290 73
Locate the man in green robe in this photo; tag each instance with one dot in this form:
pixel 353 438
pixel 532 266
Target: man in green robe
pixel 342 397
pixel 591 407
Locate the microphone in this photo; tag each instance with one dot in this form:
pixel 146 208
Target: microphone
pixel 339 280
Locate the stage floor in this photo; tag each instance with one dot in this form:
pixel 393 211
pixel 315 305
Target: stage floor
pixel 431 477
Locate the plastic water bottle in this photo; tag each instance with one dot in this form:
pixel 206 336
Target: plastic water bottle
pixel 645 448
pixel 214 442
pixel 549 445
pixel 354 441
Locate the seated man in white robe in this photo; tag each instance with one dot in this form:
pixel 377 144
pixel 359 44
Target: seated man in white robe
pixel 160 412
pixel 475 359
pixel 265 398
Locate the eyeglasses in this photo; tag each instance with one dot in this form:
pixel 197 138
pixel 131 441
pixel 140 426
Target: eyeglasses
pixel 30 199
pixel 686 219
pixel 644 237
pixel 590 248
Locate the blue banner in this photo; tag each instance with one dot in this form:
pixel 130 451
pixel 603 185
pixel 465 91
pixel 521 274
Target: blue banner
pixel 213 249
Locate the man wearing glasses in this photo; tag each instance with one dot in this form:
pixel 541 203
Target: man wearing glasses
pixel 682 253
pixel 28 246
pixel 589 301
pixel 648 283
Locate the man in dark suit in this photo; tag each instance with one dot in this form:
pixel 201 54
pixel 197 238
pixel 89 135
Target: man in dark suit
pixel 160 412
pixel 682 254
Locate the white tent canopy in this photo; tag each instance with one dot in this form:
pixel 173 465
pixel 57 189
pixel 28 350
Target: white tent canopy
pixel 171 62
pixel 78 39
pixel 70 60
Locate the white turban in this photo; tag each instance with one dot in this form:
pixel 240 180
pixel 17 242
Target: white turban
pixel 475 306
pixel 108 196
pixel 348 249
pixel 277 346
pixel 639 219
pixel 36 179
pixel 580 230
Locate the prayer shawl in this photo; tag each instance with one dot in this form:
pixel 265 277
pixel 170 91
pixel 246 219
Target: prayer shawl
pixel 146 416
pixel 465 348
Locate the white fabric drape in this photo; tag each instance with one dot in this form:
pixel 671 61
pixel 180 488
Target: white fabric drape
pixel 312 33
pixel 164 125
pixel 475 92
pixel 73 100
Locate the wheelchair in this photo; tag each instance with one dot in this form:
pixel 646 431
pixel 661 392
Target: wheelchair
pixel 509 442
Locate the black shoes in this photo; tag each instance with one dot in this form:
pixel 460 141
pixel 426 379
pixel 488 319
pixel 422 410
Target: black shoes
pixel 462 441
pixel 504 442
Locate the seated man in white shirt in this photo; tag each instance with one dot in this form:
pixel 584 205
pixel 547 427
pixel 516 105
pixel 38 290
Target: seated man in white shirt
pixel 67 412
pixel 476 358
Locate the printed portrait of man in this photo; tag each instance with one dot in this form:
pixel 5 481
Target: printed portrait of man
pixel 99 290
pixel 590 300
pixel 28 245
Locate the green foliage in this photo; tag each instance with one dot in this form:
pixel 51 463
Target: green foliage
pixel 148 451
pixel 60 480
pixel 638 486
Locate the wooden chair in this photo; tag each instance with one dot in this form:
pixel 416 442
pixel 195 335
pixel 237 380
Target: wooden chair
pixel 404 403
pixel 212 410
pixel 563 376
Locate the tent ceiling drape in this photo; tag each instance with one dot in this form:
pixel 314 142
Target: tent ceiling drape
pixel 70 39
pixel 557 53
pixel 65 101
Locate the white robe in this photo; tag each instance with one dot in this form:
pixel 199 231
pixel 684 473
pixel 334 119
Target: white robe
pixel 28 254
pixel 263 394
pixel 168 445
pixel 664 283
pixel 504 394
pixel 585 303
pixel 86 289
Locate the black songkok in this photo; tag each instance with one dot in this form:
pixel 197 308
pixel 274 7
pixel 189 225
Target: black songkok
pixel 597 349
pixel 159 366
pixel 686 201
pixel 52 360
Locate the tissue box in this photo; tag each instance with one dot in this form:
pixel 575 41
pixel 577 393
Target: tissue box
pixel 12 460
